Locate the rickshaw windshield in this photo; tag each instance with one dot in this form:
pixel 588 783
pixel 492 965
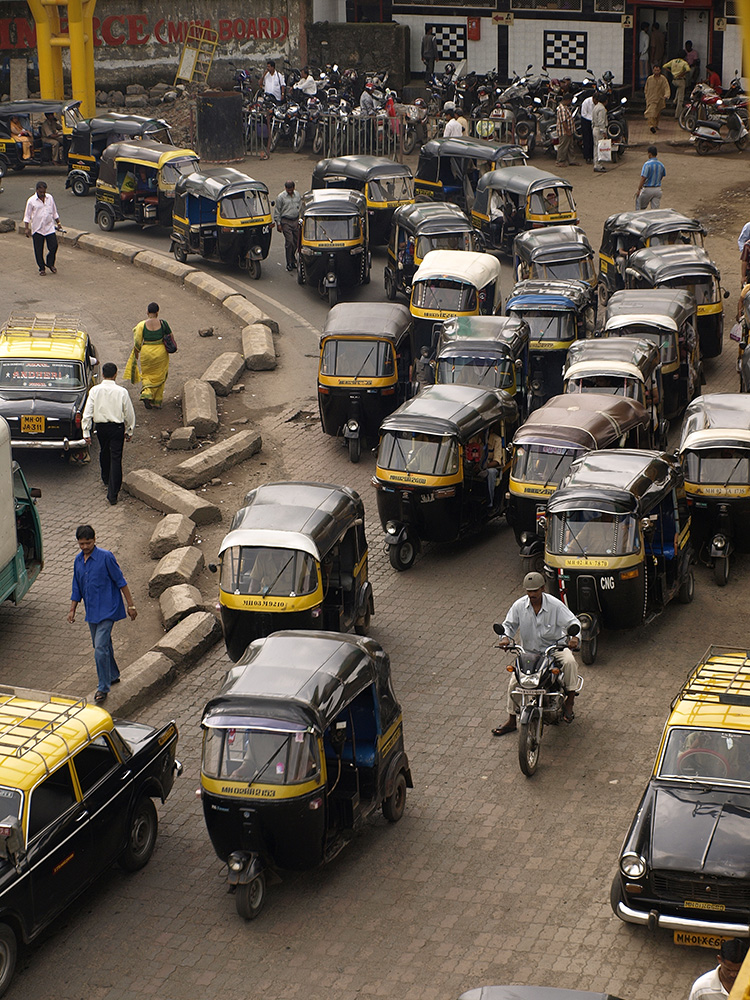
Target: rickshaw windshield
pixel 665 340
pixel 565 270
pixel 727 466
pixel 445 294
pixel 245 205
pixel 319 229
pixel 615 385
pixel 704 291
pixel 391 189
pixel 537 463
pixel 161 134
pixel 592 532
pixel 685 237
pixel 250 569
pixel 551 201
pixel 423 454
pixel 490 373
pixel 444 241
pixel 263 755
pixel 550 326
pixel 172 171
pixel 72 117
pixel 699 754
pixel 357 358
pixel 26 374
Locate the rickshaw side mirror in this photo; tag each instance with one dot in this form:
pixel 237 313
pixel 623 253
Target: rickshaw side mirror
pixel 359 521
pixel 498 629
pixel 518 364
pixel 213 568
pixel 726 293
pixel 95 361
pixel 35 493
pixel 573 629
pixel 273 203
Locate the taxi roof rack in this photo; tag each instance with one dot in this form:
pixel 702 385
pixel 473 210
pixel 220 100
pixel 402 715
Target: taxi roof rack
pixel 42 325
pixel 33 723
pixel 722 677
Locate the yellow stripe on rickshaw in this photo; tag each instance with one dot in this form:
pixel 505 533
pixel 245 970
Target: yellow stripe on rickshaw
pixel 330 244
pixel 530 489
pixel 250 220
pixel 708 308
pixel 480 215
pixel 417 479
pixel 549 345
pixel 344 381
pixel 243 790
pixel 716 490
pixel 271 604
pixel 553 217
pixel 558 561
pixel 440 313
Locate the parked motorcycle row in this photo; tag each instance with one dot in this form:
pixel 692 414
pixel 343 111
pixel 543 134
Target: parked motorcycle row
pixel 716 121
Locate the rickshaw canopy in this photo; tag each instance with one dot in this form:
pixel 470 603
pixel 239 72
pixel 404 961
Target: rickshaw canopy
pixel 431 219
pixel 382 320
pixel 667 308
pixel 477 269
pixel 308 517
pixel 300 679
pixel 589 420
pixel 502 334
pixel 667 263
pixel 39 107
pixel 144 152
pixel 333 201
pixel 716 420
pixel 645 225
pixel 562 296
pixel 519 180
pixel 215 183
pixel 358 168
pixel 451 411
pixel 620 481
pixel 476 149
pixel 128 126
pixel 553 244
pixel 635 355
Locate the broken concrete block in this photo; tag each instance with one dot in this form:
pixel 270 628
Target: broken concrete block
pixel 173 532
pixel 178 566
pixel 209 462
pixel 190 638
pixel 224 371
pixel 199 407
pixel 258 348
pixel 161 494
pixel 178 602
pixel 182 439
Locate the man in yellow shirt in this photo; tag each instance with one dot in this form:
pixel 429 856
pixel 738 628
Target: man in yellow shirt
pixel 680 70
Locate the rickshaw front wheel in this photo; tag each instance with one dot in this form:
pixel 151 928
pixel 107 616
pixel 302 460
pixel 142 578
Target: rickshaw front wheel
pixel 250 897
pixel 355 449
pixel 300 271
pixel 390 286
pixel 589 649
pixel 402 556
pixel 333 295
pixel 79 187
pixel 394 805
pixel 254 269
pixel 528 749
pixel 687 589
pixel 721 570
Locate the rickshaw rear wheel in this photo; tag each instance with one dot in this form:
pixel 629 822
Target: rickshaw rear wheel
pixel 603 294
pixel 3 168
pixel 250 897
pixel 355 449
pixel 363 627
pixel 18 167
pixel 589 649
pixel 106 221
pixel 687 589
pixel 528 749
pixel 179 255
pixel 394 805
pixel 8 955
pixel 144 825
pixel 79 187
pixel 721 570
pixel 390 286
pixel 402 556
pixel 253 269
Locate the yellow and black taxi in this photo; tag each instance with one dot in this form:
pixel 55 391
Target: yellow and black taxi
pixel 91 136
pixel 78 790
pixel 684 866
pixel 47 368
pixel 302 745
pixel 21 141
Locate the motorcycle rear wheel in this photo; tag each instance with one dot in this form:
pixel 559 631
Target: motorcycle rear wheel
pixel 318 141
pixel 689 119
pixel 274 140
pixel 528 749
pixel 742 143
pixel 703 146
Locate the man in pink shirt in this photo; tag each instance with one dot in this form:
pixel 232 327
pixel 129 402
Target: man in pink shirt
pixel 41 220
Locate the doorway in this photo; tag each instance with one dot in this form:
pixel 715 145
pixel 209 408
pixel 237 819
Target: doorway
pixel 678 26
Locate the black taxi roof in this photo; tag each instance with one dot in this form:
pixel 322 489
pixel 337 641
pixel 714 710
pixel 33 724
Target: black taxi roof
pixel 501 334
pixel 215 183
pixel 446 410
pixel 333 201
pixel 299 677
pixel 582 420
pixel 622 480
pixel 521 180
pixel 553 242
pixel 647 305
pixel 368 319
pixel 432 217
pixel 664 263
pixel 360 168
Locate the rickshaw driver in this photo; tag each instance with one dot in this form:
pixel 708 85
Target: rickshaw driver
pixel 541 620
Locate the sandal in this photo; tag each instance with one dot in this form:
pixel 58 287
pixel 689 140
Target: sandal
pixel 568 715
pixel 508 727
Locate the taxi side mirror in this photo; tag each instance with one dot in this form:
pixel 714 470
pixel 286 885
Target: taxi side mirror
pixel 11 839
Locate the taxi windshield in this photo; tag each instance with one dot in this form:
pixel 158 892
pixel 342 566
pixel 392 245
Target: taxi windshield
pixel 391 189
pixel 319 229
pixel 592 532
pixel 445 294
pixel 245 205
pixel 423 454
pixel 726 466
pixel 550 326
pixel 490 373
pixel 443 241
pixel 41 374
pixel 250 569
pixel 357 358
pixel 537 463
pixel 700 754
pixel 614 385
pixel 268 756
pixel 665 340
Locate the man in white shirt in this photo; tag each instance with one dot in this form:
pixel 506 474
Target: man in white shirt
pixel 306 84
pixel 453 129
pixel 717 984
pixel 41 220
pixel 111 410
pixel 587 141
pixel 272 82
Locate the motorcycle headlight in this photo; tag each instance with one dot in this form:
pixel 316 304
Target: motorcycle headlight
pixel 632 865
pixel 530 680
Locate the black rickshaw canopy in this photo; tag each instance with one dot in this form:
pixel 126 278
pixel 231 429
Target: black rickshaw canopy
pixel 477 149
pixel 553 244
pixel 215 183
pixel 359 168
pixel 582 420
pixel 145 151
pixel 645 225
pixel 333 201
pixel 667 263
pixel 432 218
pixel 38 107
pixel 642 354
pixel 520 180
pixel 717 420
pixel 384 320
pixel 129 126
pixel 301 678
pixel 666 307
pixel 537 293
pixel 503 334
pixel 451 410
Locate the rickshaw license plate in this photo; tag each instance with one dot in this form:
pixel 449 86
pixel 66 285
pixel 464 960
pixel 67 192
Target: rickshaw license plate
pixel 32 425
pixel 699 940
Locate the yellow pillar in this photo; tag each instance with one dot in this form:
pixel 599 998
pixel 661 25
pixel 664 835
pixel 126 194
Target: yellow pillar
pixel 47 22
pixel 50 42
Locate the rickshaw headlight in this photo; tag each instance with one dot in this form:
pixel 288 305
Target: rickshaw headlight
pixel 632 865
pixel 236 862
pixel 352 425
pixel 719 541
pixel 331 276
pixel 391 528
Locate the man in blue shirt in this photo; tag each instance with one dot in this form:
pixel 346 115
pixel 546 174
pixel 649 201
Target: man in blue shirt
pixel 649 189
pixel 99 583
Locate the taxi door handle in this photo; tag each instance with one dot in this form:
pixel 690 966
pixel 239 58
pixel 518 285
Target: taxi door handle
pixel 84 815
pixel 125 775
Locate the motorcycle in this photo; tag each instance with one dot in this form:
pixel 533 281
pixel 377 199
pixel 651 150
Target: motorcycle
pixel 538 697
pixel 288 125
pixel 716 132
pixel 705 103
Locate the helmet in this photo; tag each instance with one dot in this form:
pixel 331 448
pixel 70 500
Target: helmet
pixel 533 581
pixel 450 68
pixel 449 106
pixel 369 85
pixel 420 103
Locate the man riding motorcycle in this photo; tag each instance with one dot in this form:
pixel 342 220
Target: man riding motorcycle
pixel 541 620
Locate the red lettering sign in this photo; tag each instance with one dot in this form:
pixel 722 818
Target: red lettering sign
pixel 263 27
pixel 135 23
pixel 176 32
pixel 225 31
pixel 158 28
pixel 109 36
pixel 25 34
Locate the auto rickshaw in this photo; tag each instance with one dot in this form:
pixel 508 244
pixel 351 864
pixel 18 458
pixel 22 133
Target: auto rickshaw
pixel 417 229
pixel 92 135
pixel 626 232
pixel 449 169
pixel 223 215
pixel 295 554
pixel 137 182
pixel 334 242
pixel 618 546
pixel 366 352
pixel 385 184
pixel 442 467
pixel 559 253
pixel 690 268
pixel 302 745
pixel 30 116
pixel 666 317
pixel 715 454
pixel 512 200
pixel 623 366
pixel 454 283
pixel 545 447
pixel 557 313
pixel 490 352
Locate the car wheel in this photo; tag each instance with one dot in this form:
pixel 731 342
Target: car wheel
pixel 528 749
pixel 8 955
pixel 106 221
pixel 144 824
pixel 394 805
pixel 721 571
pixel 250 897
pixel 589 649
pixel 79 187
pixel 402 556
pixel 686 592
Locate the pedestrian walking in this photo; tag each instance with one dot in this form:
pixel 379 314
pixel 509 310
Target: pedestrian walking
pixel 599 130
pixel 149 360
pixel 429 53
pixel 680 71
pixel 41 220
pixel 99 583
pixel 649 188
pixel 657 41
pixel 109 408
pixel 286 216
pixel 565 133
pixel 587 136
pixel 644 43
pixel 743 245
pixel 657 94
pixel 717 984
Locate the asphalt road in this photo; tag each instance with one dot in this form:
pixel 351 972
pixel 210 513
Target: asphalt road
pixel 489 877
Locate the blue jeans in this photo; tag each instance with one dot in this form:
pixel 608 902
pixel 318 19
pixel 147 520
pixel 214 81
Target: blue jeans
pixel 106 665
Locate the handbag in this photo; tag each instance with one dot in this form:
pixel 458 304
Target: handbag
pixel 604 150
pixel 169 342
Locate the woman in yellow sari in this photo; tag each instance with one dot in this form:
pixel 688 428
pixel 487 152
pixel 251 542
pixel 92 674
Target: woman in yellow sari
pixel 150 355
